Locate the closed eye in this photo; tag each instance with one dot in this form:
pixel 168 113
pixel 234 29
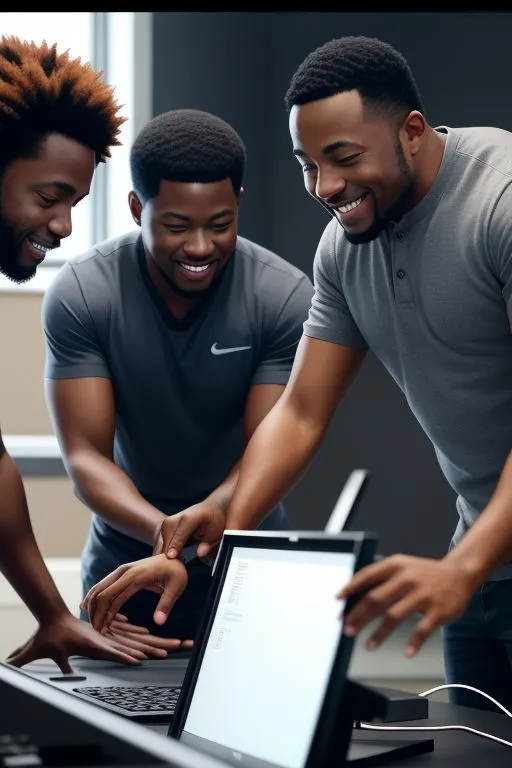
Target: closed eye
pixel 45 201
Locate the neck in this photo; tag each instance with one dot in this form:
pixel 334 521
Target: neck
pixel 429 164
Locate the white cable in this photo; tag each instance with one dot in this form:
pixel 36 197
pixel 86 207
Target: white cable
pixel 368 727
pixel 371 727
pixel 469 688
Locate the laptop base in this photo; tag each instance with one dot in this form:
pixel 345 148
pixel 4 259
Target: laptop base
pixel 370 749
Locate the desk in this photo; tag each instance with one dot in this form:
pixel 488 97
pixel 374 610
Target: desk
pixel 452 748
pixel 457 748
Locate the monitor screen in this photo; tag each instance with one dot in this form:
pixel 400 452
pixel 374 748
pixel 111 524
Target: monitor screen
pixel 268 656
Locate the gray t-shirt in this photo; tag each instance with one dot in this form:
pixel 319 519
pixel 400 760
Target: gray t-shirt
pixel 180 387
pixel 431 296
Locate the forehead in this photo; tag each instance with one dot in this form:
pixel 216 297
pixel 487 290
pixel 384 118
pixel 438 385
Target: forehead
pixel 63 160
pixel 194 198
pixel 338 118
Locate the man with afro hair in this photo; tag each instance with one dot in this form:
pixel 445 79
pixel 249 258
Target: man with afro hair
pixel 415 264
pixel 166 347
pixel 58 120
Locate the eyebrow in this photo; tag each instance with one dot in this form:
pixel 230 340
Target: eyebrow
pixel 181 217
pixel 62 185
pixel 329 149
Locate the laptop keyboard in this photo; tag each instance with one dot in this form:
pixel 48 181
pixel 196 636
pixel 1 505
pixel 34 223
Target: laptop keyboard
pixel 140 698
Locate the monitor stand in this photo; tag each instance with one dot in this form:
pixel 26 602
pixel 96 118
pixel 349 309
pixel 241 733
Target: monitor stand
pixel 368 748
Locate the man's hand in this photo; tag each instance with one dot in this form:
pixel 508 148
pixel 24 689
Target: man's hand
pixel 68 636
pixel 156 573
pixel 135 637
pixel 397 587
pixel 204 522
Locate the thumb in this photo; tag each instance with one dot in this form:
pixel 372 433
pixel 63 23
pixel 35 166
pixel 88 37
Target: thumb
pixel 176 536
pixel 166 603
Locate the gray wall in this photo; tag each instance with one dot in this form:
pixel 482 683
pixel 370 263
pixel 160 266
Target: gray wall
pixel 238 66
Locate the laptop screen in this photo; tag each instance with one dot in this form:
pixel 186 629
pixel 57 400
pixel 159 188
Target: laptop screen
pixel 268 654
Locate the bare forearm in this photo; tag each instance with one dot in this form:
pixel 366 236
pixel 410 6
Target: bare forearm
pixel 20 559
pixel 222 495
pixel 110 493
pixel 274 460
pixel 488 544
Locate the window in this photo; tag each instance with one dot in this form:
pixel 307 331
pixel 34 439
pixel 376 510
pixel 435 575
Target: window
pixel 119 43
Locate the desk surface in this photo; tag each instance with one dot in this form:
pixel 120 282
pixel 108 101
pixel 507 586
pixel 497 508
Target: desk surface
pixel 452 748
pixel 458 748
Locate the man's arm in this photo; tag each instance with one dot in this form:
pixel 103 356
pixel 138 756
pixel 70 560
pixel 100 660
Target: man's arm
pixel 20 558
pixel 439 590
pixel 286 440
pixel 206 520
pixel 60 634
pixel 83 416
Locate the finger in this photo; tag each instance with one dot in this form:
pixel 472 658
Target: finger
pixel 166 602
pixel 395 615
pixel 187 643
pixel 62 662
pixel 134 644
pixel 204 551
pixel 372 605
pixel 159 545
pixel 114 650
pixel 368 577
pixel 21 656
pixel 126 626
pixel 175 534
pixel 110 579
pixel 107 603
pixel 122 617
pixel 422 631
pixel 169 643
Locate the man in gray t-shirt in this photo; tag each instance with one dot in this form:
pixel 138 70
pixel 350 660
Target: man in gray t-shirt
pixel 416 264
pixel 165 348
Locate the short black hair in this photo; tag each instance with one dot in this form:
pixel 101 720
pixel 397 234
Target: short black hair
pixel 370 66
pixel 44 91
pixel 187 145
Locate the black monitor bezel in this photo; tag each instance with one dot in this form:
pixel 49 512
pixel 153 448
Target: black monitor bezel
pixel 363 546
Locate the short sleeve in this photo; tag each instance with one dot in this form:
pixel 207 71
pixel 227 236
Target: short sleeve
pixel 329 318
pixel 279 352
pixel 500 242
pixel 72 344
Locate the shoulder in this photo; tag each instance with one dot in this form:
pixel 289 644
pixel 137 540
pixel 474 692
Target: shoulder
pixel 487 147
pixel 96 268
pixel 264 265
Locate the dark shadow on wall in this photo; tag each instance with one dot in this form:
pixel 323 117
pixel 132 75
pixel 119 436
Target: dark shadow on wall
pixel 238 65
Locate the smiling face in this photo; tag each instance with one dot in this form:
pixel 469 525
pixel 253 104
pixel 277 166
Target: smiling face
pixel 357 164
pixel 37 195
pixel 189 231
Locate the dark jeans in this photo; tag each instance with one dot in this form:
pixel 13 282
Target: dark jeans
pixel 478 648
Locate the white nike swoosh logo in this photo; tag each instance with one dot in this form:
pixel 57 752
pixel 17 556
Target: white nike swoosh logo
pixel 226 350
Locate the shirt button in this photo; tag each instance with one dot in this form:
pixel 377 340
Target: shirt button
pixel 400 274
pixel 400 235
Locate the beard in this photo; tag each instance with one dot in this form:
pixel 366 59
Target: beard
pixel 396 211
pixel 10 253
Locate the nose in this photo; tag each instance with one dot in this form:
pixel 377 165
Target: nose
pixel 60 223
pixel 329 183
pixel 198 245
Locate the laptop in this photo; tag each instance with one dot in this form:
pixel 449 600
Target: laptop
pixel 149 692
pixel 267 684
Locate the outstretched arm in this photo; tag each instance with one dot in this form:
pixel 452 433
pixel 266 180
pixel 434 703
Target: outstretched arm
pixel 60 634
pixel 83 416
